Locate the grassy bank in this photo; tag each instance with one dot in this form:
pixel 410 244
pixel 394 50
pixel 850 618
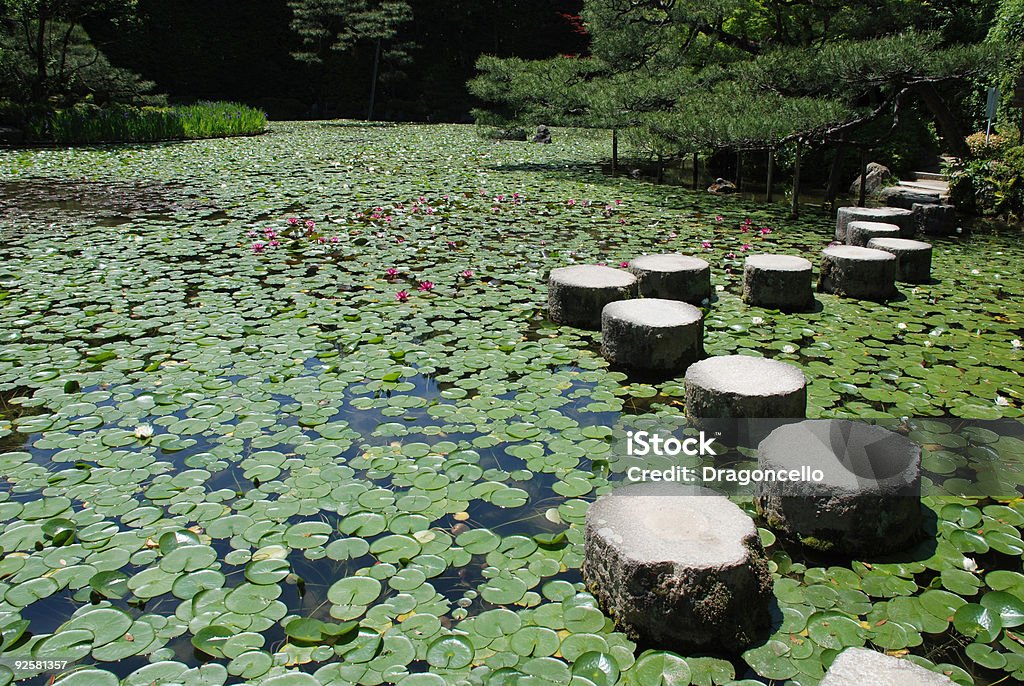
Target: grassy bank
pixel 90 124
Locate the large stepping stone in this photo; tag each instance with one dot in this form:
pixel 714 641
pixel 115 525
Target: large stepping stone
pixel 889 215
pixel 867 496
pixel 780 282
pixel 744 387
pixel 913 258
pixel 860 232
pixel 864 667
pixel 855 272
pixel 673 277
pixel 678 567
pixel 576 295
pixel 652 335
pixel 935 220
pixel 906 198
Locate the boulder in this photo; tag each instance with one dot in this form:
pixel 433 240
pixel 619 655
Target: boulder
pixel 878 177
pixel 864 667
pixel 543 134
pixel 722 187
pixel 678 567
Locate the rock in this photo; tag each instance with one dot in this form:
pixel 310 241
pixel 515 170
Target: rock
pixel 913 258
pixel 860 232
pixel 935 220
pixel 868 500
pixel 877 177
pixel 722 187
pixel 855 272
pixel 864 667
pixel 678 567
pixel 652 335
pixel 576 295
pixel 744 387
pixel 889 215
pixel 673 277
pixel 543 135
pixel 781 282
pixel 904 197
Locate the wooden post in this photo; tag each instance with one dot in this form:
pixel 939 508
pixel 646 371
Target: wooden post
pixel 863 177
pixel 661 170
pixel 795 208
pixel 739 170
pixel 771 175
pixel 615 151
pixel 833 177
pixel 696 160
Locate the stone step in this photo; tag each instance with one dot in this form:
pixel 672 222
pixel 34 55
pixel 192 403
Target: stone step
pixel 929 176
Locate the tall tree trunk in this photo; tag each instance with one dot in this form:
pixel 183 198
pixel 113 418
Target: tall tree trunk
pixel 771 176
pixel 39 86
pixel 949 126
pixel 833 176
pixel 795 207
pixel 615 151
pixel 373 83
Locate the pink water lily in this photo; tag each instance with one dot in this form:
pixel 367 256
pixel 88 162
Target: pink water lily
pixel 258 247
pixel 719 218
pixel 623 264
pixel 765 231
pixel 706 245
pixel 391 272
pixel 426 286
pixel 745 247
pixel 402 296
pixel 467 273
pixel 293 220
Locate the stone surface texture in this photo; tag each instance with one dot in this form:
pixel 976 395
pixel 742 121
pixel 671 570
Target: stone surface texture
pixel 652 335
pixel 678 567
pixel 855 272
pixel 913 258
pixel 860 232
pixel 740 386
pixel 935 220
pixel 864 667
pixel 868 498
pixel 890 215
pixel 576 295
pixel 904 197
pixel 672 277
pixel 780 282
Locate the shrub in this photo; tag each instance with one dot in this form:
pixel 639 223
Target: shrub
pixel 992 180
pixel 86 123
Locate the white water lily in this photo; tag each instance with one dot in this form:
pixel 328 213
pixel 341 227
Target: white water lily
pixel 969 564
pixel 143 431
pixel 789 349
pixel 902 326
pixel 1016 344
pixel 757 321
pixel 1001 401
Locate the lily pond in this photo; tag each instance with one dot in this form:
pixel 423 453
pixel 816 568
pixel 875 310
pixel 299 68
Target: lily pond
pixel 286 410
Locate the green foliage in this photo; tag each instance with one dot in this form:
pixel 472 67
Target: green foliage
pixel 47 57
pixel 992 181
pixel 92 124
pixel 337 26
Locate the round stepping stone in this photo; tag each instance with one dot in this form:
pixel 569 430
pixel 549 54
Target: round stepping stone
pixel 780 282
pixel 744 387
pixel 860 232
pixel 889 215
pixel 652 335
pixel 913 258
pixel 935 220
pixel 673 277
pixel 865 493
pixel 678 567
pixel 576 295
pixel 855 272
pixel 864 667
